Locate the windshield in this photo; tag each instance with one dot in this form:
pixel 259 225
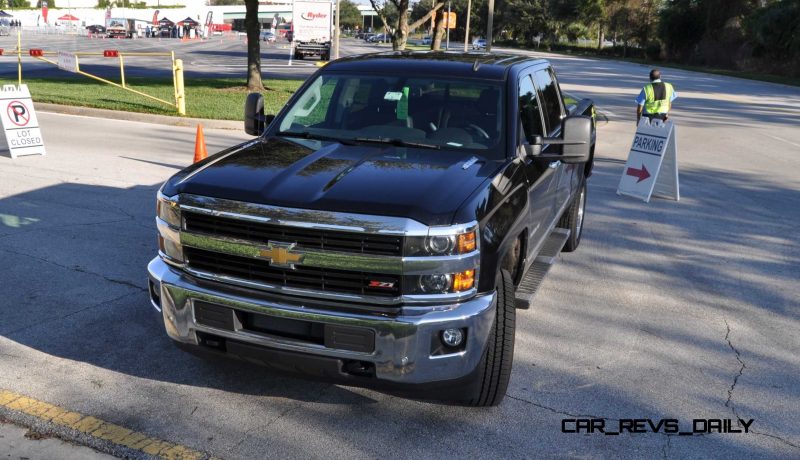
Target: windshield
pixel 429 112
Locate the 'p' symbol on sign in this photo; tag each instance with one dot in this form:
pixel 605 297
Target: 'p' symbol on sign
pixel 18 113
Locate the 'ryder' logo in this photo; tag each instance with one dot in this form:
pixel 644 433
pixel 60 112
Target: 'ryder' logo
pixel 310 15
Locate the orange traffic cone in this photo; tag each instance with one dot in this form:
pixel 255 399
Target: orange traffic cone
pixel 200 152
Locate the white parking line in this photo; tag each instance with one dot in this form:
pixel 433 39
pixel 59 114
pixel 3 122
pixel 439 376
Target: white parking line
pixel 782 140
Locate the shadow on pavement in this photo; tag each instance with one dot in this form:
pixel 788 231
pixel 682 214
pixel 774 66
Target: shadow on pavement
pixel 74 287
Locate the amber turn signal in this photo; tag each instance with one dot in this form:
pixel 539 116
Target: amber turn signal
pixel 466 242
pixel 464 281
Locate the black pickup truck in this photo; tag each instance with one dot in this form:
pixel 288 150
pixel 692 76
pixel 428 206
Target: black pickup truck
pixel 384 227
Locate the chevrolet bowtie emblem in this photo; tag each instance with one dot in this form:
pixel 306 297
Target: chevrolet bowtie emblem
pixel 280 255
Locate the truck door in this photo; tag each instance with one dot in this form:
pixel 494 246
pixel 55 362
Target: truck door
pixel 553 109
pixel 542 179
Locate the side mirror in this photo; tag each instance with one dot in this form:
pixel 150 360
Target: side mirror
pixel 577 133
pixel 254 121
pixel 576 140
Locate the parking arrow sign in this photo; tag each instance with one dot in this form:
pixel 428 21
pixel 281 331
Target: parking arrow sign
pixel 652 166
pixel 642 174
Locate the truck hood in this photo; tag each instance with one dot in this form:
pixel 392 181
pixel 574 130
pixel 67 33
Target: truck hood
pixel 423 184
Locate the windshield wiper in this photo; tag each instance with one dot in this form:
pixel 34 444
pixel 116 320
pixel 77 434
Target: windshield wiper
pixel 316 137
pixel 397 142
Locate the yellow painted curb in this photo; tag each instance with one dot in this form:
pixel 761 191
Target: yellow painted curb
pixel 97 428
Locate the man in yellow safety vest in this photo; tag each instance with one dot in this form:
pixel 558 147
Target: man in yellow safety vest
pixel 655 99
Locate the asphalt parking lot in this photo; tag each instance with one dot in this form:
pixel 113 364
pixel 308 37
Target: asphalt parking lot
pixel 220 56
pixel 668 310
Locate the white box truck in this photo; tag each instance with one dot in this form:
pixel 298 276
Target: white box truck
pixel 311 29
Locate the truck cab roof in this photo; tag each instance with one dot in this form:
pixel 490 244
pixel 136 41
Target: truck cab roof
pixel 493 66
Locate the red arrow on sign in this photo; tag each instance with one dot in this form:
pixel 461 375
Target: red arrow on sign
pixel 642 174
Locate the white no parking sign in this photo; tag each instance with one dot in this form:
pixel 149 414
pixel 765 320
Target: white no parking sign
pixel 652 166
pixel 21 133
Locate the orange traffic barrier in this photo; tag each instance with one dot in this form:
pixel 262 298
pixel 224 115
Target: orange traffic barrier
pixel 200 152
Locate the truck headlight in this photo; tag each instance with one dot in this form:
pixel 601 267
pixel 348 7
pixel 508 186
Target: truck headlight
pixel 168 222
pixel 443 261
pixel 167 210
pixel 438 243
pixel 435 284
pixel 446 283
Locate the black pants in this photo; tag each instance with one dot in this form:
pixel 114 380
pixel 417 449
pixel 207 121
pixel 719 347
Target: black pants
pixel 660 116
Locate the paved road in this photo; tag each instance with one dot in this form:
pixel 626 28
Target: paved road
pixel 668 310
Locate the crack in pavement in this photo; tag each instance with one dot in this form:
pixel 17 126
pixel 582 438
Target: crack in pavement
pixel 665 449
pixel 283 414
pixel 77 269
pixel 776 437
pixel 556 411
pixel 729 402
pixel 8 334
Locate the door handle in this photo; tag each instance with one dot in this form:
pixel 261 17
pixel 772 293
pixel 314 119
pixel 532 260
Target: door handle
pixel 554 164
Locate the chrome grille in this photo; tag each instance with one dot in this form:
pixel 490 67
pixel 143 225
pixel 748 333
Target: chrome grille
pixel 359 243
pixel 316 279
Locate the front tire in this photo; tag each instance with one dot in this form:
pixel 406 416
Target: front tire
pixel 573 220
pixel 494 369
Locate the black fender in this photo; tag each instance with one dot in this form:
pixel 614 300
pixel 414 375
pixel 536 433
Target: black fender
pixel 501 208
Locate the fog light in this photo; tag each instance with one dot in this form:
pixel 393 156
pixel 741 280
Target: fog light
pixel 452 337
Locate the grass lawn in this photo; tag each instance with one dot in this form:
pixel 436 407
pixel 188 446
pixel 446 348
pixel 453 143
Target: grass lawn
pixel 216 98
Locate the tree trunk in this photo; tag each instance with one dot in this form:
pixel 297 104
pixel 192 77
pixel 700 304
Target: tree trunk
pixel 601 36
pixel 252 26
pixel 438 31
pixel 400 35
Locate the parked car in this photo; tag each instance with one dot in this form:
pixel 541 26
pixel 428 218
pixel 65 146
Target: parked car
pixel 368 36
pixel 267 36
pixel 426 40
pixel 96 29
pixel 384 227
pixel 479 44
pixel 380 38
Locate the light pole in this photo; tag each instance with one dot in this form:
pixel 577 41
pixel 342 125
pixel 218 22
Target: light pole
pixel 337 31
pixel 469 12
pixel 489 27
pixel 447 24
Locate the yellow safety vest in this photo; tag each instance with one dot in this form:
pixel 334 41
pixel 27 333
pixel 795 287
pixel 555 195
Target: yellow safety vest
pixel 651 105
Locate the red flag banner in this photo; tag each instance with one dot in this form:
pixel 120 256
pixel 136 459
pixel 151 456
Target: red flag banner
pixel 44 12
pixel 155 18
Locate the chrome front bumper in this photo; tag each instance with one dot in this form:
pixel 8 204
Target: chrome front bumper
pixel 403 344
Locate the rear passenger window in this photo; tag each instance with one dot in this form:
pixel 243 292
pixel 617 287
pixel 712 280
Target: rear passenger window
pixel 529 113
pixel 551 100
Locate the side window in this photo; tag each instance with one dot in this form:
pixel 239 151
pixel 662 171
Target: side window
pixel 529 113
pixel 550 98
pixel 312 108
